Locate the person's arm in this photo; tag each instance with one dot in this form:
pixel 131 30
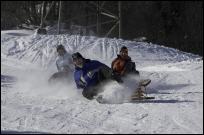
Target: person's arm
pixel 123 72
pixel 113 62
pixel 70 62
pixel 93 68
pixel 57 65
pixel 78 81
pixel 134 69
pixel 66 68
pixel 115 75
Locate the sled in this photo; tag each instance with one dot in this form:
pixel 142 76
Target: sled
pixel 141 91
pixel 139 95
pixel 101 100
pixel 59 77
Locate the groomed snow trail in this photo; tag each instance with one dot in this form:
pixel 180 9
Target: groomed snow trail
pixel 30 105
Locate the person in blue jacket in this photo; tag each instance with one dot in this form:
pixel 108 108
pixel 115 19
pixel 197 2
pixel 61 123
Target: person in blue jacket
pixel 89 75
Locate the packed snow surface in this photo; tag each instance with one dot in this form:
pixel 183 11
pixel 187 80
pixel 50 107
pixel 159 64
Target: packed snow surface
pixel 30 105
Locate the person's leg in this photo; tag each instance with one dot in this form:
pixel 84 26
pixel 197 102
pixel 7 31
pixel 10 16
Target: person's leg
pixel 117 77
pixel 53 77
pixel 64 76
pixel 89 93
pixel 58 76
pixel 131 69
pixel 136 72
pixel 105 72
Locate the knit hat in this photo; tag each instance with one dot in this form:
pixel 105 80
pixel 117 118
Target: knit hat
pixel 123 48
pixel 76 55
pixel 60 47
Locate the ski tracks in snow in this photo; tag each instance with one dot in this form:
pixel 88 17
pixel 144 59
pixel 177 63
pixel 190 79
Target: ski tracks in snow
pixel 177 87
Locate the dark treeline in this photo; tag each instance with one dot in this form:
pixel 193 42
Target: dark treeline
pixel 170 23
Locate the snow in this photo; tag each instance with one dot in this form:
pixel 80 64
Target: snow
pixel 30 105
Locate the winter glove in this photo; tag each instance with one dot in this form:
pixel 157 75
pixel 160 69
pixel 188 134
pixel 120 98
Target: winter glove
pixel 91 73
pixel 81 84
pixel 82 81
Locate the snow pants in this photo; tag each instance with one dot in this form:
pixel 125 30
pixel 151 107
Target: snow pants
pixel 104 75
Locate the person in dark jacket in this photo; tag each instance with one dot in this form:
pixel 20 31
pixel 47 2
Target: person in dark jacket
pixel 123 65
pixel 89 75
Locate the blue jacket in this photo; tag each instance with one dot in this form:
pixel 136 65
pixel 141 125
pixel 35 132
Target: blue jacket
pixel 87 75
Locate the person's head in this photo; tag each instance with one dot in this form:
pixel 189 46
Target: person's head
pixel 61 50
pixel 77 59
pixel 124 52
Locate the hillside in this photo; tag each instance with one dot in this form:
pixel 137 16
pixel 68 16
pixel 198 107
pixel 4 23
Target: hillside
pixel 29 104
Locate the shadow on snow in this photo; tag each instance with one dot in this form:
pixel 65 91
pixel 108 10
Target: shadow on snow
pixel 162 101
pixel 21 132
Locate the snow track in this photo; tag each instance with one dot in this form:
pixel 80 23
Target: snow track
pixel 29 105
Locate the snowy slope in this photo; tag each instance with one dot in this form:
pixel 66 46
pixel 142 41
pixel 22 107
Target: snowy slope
pixel 29 104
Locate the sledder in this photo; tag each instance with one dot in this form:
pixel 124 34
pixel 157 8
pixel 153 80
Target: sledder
pixel 90 75
pixel 64 65
pixel 122 66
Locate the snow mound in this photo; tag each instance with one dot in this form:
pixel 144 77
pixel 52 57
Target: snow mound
pixel 41 49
